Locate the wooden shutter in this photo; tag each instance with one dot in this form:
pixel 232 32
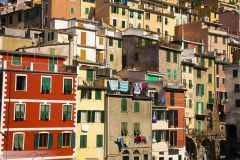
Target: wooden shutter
pixel 78 116
pixel 83 141
pixel 202 92
pixel 93 116
pixel 100 40
pixel 166 135
pixel 124 105
pixel 73 136
pixel 99 142
pixel 158 114
pixel 83 54
pixel 89 114
pixel 20 141
pixel 36 140
pixel 98 94
pixel 136 106
pixel 90 74
pixel 60 140
pixel 50 141
pixel 83 38
pixel 102 116
pixel 202 108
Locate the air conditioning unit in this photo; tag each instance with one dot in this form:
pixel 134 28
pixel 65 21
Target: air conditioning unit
pixel 26 68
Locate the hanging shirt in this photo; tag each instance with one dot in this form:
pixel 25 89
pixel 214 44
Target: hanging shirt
pixel 113 85
pixel 123 86
pixel 137 89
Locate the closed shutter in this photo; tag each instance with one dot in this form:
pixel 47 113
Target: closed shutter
pixel 20 141
pixel 83 38
pixel 89 116
pixel 175 57
pixel 60 140
pixel 119 43
pixel 175 74
pixel 158 136
pixel 110 42
pixel 90 74
pixel 166 135
pixel 16 141
pixel 202 92
pixel 102 116
pixel 93 116
pixel 168 56
pixel 98 94
pixel 197 108
pixel 124 105
pixel 50 141
pixel 73 136
pixel 36 140
pixel 158 115
pixel 83 141
pixel 51 64
pixel 202 108
pixel 100 40
pixel 83 54
pixel 136 107
pixel 16 59
pixel 175 118
pixel 78 116
pixel 99 141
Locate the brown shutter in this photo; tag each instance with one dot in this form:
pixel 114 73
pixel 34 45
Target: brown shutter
pixel 83 38
pixel 83 54
pixel 80 25
pixel 100 40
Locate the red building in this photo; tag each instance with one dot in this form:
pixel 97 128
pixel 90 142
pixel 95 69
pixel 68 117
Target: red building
pixel 37 106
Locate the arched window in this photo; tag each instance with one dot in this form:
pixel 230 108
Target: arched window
pixel 125 155
pixel 136 155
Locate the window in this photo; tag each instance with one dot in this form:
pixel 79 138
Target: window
pixel 16 59
pixel 190 69
pixel 136 107
pixel 235 73
pixel 86 10
pixel 223 80
pixel 115 9
pixel 136 127
pixel 160 135
pixel 45 20
pixel 82 116
pixel 123 24
pixel 44 111
pixel 224 40
pixel 217 81
pixel 172 99
pixel 72 10
pixel 158 30
pixel 66 140
pixel 124 105
pixel 184 83
pixel 20 110
pixel 190 84
pixel 46 8
pixel 168 56
pixel 46 84
pixel 43 140
pixel 98 95
pixel 67 112
pixel 145 157
pixel 184 68
pixel 175 74
pixel 199 73
pixel 111 57
pixel 110 42
pixel 215 39
pixel 217 68
pixel 123 11
pixel 168 73
pixel 209 78
pixel 166 33
pixel 83 54
pixel 86 94
pixel 166 21
pixel 173 138
pixel 139 15
pixel 209 62
pixel 89 74
pixel 237 102
pixel 18 141
pixel 131 14
pixel 83 141
pixel 99 142
pixel 189 103
pixel 114 22
pixel 200 90
pixel 21 82
pixel 159 18
pixel 185 45
pixel 237 88
pixel 136 57
pixel 147 27
pixel 200 108
pixel 124 130
pixel 173 118
pixel 67 86
pixel 147 16
pixel 202 61
pixel 20 17
pixel 175 60
pixel 119 43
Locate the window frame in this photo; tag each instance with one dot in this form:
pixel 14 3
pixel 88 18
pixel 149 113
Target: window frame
pixel 40 107
pixel 25 108
pixel 71 78
pixel 39 140
pixel 85 146
pixel 71 112
pixel 17 75
pixel 20 60
pixel 13 140
pixel 70 139
pixel 42 83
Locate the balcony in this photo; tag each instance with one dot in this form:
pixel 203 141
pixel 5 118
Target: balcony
pixel 210 100
pixel 200 115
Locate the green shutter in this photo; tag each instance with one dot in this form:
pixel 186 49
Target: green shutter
pixel 36 140
pixel 168 73
pixel 16 59
pixel 199 125
pixel 67 85
pixel 78 116
pixel 43 112
pixel 47 111
pixel 89 114
pixel 197 108
pixel 99 142
pixel 119 43
pixel 124 105
pixel 93 116
pixel 90 74
pixel 16 141
pixel 102 116
pixel 22 111
pixel 60 140
pixel 202 91
pixel 83 141
pixel 20 141
pixel 123 11
pixel 139 15
pixel 185 45
pixel 175 74
pixel 168 56
pixel 73 136
pixel 202 107
pixel 166 135
pixel 51 64
pixel 98 94
pixel 158 136
pixel 111 57
pixel 110 42
pixel 50 140
pixel 117 9
pixel 215 39
pixel 136 107
pixel 209 78
pixel 209 62
pixel 46 83
pixel 175 57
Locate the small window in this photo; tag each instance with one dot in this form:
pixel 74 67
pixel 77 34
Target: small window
pixel 18 142
pixel 83 141
pixel 123 24
pixel 111 57
pixel 199 73
pixel 90 74
pixel 21 82
pixel 136 106
pixel 16 59
pixel 215 39
pixel 237 102
pixel 175 74
pixel 86 94
pixel 235 73
pixel 67 112
pixel 139 15
pixel 20 112
pixel 83 116
pixel 168 73
pixel 136 127
pixel 209 62
pixel 123 11
pixel 209 78
pixel 46 8
pixel 43 140
pixel 66 140
pixel 131 14
pixel 51 64
pixel 67 86
pixel 168 56
pixel 44 112
pixel 237 88
pixel 110 42
pixel 124 105
pixel 72 10
pixel 124 130
pixel 99 142
pixel 175 56
pixel 114 22
pixel 184 68
pixel 119 43
pixel 86 10
pixel 46 85
pixel 98 95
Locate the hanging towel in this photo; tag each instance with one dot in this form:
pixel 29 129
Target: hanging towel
pixel 121 143
pixel 113 85
pixel 125 140
pixel 128 141
pixel 137 89
pixel 123 86
pixel 144 85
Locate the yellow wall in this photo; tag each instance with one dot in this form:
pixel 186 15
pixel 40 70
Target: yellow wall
pixel 13 43
pixel 84 5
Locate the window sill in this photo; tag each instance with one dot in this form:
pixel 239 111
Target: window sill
pixel 66 147
pixel 20 90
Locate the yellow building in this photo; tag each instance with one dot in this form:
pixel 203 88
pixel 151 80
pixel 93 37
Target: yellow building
pixel 87 9
pixel 90 114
